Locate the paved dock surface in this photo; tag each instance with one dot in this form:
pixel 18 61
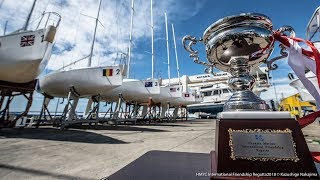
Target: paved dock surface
pixel 83 153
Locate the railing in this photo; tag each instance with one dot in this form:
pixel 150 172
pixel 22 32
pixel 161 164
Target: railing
pixel 49 19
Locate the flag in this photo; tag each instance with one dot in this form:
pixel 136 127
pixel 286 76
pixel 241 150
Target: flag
pixel 300 59
pixel 186 95
pixel 173 89
pixel 27 40
pixel 148 84
pixel 107 72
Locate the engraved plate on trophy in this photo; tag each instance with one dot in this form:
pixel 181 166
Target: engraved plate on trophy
pixel 263 145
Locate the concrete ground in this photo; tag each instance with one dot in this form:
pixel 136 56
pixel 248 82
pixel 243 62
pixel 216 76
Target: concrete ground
pixel 80 153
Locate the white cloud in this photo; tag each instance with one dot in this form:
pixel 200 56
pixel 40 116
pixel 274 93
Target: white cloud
pixel 74 36
pixel 75 33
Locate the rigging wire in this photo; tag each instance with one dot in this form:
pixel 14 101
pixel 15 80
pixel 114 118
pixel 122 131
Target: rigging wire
pixel 117 24
pixel 123 47
pixel 75 33
pixel 46 7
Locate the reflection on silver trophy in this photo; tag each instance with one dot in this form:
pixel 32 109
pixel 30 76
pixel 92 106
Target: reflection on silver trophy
pixel 237 44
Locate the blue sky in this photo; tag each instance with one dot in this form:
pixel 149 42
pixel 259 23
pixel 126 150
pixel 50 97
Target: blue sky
pixel 190 17
pixel 294 13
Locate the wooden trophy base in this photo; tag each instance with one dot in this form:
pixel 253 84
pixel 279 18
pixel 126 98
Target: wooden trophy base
pixel 264 145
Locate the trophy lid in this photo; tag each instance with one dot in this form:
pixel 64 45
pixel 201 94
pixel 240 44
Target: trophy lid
pixel 247 34
pixel 234 19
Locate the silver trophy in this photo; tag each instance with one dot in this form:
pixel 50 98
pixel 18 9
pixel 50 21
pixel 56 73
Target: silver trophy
pixel 237 44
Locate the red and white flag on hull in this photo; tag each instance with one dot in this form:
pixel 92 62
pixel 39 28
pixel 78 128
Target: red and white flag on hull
pixel 300 59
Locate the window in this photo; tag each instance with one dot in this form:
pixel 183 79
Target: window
pixel 215 92
pixel 225 91
pixel 207 93
pixel 205 87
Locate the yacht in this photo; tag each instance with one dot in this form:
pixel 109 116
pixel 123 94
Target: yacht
pixel 86 81
pixel 213 90
pixel 214 97
pixel 25 53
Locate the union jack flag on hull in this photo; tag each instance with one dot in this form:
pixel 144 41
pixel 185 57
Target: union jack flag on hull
pixel 27 40
pixel 148 84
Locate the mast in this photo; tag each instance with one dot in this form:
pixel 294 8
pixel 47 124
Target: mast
pixel 25 27
pixel 152 52
pixel 5 28
pixel 175 50
pixel 94 35
pixel 130 39
pixel 165 16
pixel 275 90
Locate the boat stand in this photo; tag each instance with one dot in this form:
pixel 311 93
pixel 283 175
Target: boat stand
pixel 109 111
pixel 152 113
pixel 165 112
pixel 10 90
pixel 69 112
pixel 132 112
pixel 121 115
pixel 135 110
pixel 116 113
pixel 93 114
pixel 44 110
pixel 175 113
pixel 144 111
pixel 183 113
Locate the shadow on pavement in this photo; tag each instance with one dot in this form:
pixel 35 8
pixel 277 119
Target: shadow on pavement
pixel 70 135
pixel 116 128
pixel 35 172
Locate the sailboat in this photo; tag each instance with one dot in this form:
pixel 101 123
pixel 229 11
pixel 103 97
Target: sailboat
pixel 169 92
pixel 134 90
pixel 23 56
pixel 87 81
pixel 25 53
pixel 188 97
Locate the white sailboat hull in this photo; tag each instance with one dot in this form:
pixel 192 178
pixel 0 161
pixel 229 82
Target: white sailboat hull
pixel 186 99
pixel 304 93
pixel 86 81
pixel 24 55
pixel 133 90
pixel 168 94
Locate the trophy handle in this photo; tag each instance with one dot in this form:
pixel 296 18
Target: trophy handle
pixel 289 29
pixel 282 51
pixel 193 53
pixel 283 55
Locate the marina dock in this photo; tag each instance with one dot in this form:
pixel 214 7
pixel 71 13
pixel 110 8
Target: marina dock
pixel 84 153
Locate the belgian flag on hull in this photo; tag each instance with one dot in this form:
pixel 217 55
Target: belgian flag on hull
pixel 107 72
